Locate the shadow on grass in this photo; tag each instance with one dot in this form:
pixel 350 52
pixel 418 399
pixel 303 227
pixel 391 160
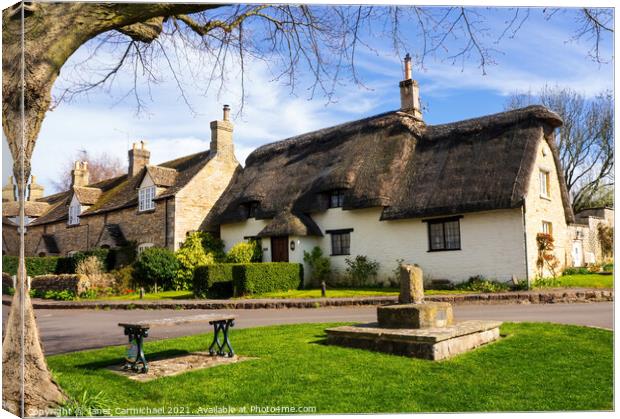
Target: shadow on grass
pixel 150 356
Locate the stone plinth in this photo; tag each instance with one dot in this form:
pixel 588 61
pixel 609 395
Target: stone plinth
pixel 411 284
pixel 434 343
pixel 415 316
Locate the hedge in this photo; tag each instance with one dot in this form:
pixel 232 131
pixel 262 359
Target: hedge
pixel 258 278
pixel 35 266
pixel 214 281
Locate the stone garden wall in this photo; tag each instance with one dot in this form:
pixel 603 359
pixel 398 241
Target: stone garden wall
pixel 69 282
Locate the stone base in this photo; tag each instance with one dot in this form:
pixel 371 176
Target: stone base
pixel 415 316
pixel 434 343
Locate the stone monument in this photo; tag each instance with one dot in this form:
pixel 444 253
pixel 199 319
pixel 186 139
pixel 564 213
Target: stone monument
pixel 414 327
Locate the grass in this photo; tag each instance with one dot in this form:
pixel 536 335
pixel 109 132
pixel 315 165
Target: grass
pixel 164 295
pixel 333 293
pixel 586 281
pixel 536 367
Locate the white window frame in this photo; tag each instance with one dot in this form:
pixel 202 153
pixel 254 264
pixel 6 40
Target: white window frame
pixel 547 227
pixel 143 246
pixel 74 214
pixel 146 198
pixel 544 183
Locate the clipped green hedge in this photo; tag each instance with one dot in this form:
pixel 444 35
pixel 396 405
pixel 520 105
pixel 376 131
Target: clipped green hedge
pixel 258 278
pixel 36 265
pixel 214 281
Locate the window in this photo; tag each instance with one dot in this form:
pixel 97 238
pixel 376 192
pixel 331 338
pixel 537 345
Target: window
pixel 544 183
pixel 74 214
pixel 143 246
pixel 336 198
pixel 145 198
pixel 444 234
pixel 547 228
pixel 341 241
pixel 252 209
pixel 71 253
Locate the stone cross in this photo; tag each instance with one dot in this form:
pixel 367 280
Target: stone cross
pixel 411 285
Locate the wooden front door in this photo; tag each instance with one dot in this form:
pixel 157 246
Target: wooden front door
pixel 279 249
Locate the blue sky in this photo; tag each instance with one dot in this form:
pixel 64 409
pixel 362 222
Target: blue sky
pixel 542 53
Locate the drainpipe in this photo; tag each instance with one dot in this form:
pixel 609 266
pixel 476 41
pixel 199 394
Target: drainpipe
pixel 527 269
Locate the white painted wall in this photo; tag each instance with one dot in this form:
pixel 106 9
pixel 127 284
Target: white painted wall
pixel 492 243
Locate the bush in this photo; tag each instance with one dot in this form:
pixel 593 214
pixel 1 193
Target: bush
pixel 212 245
pixel 191 255
pixel 243 252
pixel 609 267
pixel 576 271
pixel 361 269
pixel 34 265
pixel 214 281
pixel 156 267
pixel 258 278
pixel 103 255
pixel 320 265
pixel 479 283
pixel 123 279
pixel 92 268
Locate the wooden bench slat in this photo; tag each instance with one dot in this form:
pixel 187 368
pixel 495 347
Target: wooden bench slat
pixel 179 320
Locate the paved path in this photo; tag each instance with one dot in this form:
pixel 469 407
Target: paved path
pixel 72 330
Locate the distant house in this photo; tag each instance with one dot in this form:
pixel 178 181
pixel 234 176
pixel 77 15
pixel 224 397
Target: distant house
pixel 584 235
pixel 461 199
pixel 153 205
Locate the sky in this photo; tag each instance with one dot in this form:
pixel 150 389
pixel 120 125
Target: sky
pixel 543 52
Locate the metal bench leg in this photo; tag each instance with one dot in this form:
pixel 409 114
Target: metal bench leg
pixel 226 326
pixel 216 339
pixel 222 326
pixel 137 334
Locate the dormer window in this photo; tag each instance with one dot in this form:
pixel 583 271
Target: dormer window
pixel 74 213
pixel 336 198
pixel 146 198
pixel 252 209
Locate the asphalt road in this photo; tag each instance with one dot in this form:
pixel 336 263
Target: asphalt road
pixel 72 330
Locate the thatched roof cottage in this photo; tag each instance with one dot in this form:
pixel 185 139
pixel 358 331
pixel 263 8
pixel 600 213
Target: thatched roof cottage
pixel 460 199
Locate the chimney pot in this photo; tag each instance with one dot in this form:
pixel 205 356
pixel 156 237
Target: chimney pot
pixel 79 174
pixel 138 158
pixel 408 67
pixel 226 112
pixel 222 136
pixel 410 92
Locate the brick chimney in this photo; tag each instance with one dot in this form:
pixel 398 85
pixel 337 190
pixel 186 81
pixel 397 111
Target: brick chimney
pixel 8 191
pixel 138 158
pixel 35 191
pixel 79 174
pixel 410 92
pixel 221 136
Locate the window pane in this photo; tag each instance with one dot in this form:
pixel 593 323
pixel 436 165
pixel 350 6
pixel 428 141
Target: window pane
pixel 336 244
pixel 346 243
pixel 453 235
pixel 436 236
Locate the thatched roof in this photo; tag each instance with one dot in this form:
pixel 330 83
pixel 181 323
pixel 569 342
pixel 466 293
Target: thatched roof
pixel 122 191
pixel 289 224
pixel 395 162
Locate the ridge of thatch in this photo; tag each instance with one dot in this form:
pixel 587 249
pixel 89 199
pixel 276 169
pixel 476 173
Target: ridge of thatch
pixel 396 162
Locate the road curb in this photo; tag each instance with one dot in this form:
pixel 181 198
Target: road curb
pixel 570 295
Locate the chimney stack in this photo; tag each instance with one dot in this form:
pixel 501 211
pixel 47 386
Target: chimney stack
pixel 8 191
pixel 138 158
pixel 35 191
pixel 221 136
pixel 79 174
pixel 410 92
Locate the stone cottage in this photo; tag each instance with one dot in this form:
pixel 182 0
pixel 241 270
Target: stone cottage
pixel 153 205
pixel 460 199
pixel 584 238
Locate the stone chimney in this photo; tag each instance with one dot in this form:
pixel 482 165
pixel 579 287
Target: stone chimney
pixel 138 158
pixel 410 92
pixel 221 136
pixel 8 191
pixel 35 191
pixel 79 174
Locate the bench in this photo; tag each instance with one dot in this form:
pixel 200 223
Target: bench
pixel 137 331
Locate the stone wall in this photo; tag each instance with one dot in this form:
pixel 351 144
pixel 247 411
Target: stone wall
pixel 74 283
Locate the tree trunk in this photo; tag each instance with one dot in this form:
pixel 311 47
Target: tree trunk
pixel 37 41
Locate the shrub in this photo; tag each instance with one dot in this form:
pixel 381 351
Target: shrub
pixel 320 265
pixel 361 269
pixel 258 278
pixel 606 239
pixel 243 252
pixel 212 245
pixel 34 265
pixel 123 279
pixel 479 283
pixel 155 267
pixel 214 281
pixel 576 271
pixel 609 267
pixel 102 254
pixel 64 295
pixel 546 257
pixel 191 255
pixel 92 268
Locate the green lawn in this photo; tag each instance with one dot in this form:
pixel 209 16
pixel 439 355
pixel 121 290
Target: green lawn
pixel 537 366
pixel 164 295
pixel 588 281
pixel 333 293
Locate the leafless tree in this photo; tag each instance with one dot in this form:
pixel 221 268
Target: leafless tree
pixel 320 41
pixel 585 141
pixel 100 166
